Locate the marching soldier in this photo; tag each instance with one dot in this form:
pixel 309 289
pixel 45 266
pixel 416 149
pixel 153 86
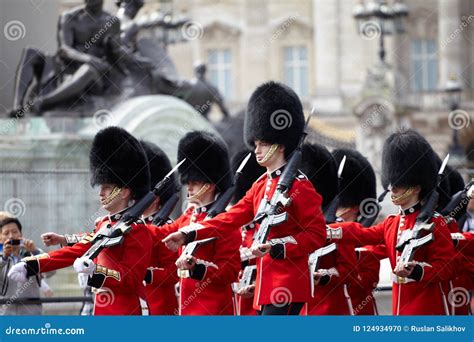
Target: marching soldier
pixel 464 280
pixel 273 126
pixel 119 165
pixel 251 173
pixel 206 282
pixel 357 199
pixel 161 276
pixel 409 167
pixel 337 270
pixel 319 166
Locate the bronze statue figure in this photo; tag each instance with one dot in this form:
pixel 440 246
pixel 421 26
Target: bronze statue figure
pixel 103 59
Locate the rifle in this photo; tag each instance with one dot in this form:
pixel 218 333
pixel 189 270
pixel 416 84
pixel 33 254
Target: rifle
pixel 249 274
pixel 410 239
pixel 330 212
pixel 458 203
pixel 221 203
pixel 190 250
pixel 246 255
pixel 410 248
pixel 123 226
pixel 269 213
pixel 163 214
pixel 315 258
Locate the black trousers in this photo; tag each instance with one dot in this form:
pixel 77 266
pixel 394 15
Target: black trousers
pixel 288 309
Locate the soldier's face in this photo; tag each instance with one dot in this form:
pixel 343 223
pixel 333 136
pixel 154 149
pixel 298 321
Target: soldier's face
pixel 348 214
pixel 199 192
pixel 403 196
pixel 262 150
pixel 113 198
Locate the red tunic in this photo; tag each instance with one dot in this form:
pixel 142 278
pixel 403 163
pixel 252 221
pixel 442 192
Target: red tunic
pixel 119 273
pixel 423 297
pixel 213 294
pixel 245 305
pixel 466 245
pixel 162 277
pixel 333 298
pixel 278 280
pixel 458 290
pixel 368 269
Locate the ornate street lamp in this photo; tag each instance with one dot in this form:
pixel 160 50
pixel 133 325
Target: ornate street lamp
pixel 377 18
pixel 453 92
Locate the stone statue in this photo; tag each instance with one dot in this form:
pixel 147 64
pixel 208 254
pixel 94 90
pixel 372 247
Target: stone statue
pixel 147 48
pixel 89 54
pixel 200 93
pixel 104 59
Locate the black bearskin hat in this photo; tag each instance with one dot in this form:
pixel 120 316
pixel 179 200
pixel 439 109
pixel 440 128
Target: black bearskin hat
pixel 250 173
pixel 275 115
pixel 456 182
pixel 207 160
pixel 116 157
pixel 357 180
pixel 408 160
pixel 159 165
pixel 319 166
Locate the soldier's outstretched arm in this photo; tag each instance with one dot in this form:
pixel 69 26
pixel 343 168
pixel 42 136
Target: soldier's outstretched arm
pixel 47 262
pixel 356 234
pixel 237 216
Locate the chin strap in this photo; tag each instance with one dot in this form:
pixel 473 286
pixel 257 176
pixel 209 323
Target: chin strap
pixel 201 192
pixel 343 211
pixel 269 154
pixel 396 199
pixel 113 194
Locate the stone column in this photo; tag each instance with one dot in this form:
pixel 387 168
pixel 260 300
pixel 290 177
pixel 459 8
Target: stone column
pixel 327 55
pixel 450 33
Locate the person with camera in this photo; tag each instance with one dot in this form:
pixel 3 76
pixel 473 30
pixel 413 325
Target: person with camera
pixel 14 247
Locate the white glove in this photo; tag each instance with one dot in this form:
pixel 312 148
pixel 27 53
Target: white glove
pixel 45 289
pixel 82 279
pixel 18 273
pixel 84 265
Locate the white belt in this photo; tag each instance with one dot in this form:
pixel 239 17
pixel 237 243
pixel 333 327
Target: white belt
pixel 96 290
pixel 144 307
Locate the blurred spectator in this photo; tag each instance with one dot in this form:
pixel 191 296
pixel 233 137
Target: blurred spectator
pixel 4 215
pixel 14 247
